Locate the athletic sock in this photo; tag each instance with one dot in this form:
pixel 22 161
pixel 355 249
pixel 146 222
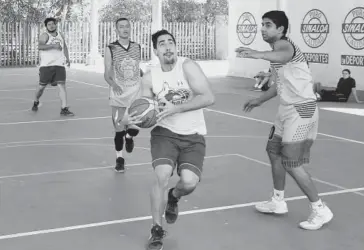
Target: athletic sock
pixel 278 195
pixel 119 154
pixel 317 205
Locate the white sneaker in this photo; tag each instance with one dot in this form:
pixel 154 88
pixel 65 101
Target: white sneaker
pixel 272 206
pixel 317 218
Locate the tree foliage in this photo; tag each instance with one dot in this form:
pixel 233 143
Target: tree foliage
pixel 135 10
pixel 38 10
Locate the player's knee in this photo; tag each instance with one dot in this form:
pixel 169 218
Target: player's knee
pixel 189 180
pixel 298 173
pixel 41 88
pixel 162 175
pixel 132 132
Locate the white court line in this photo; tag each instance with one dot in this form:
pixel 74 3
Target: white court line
pixel 266 122
pixel 19 90
pixel 13 74
pixel 89 84
pixel 139 136
pixel 62 144
pixel 95 168
pixel 315 179
pixel 60 120
pixel 144 218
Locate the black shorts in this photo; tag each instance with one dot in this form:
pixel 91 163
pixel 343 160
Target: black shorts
pixel 53 75
pixel 179 151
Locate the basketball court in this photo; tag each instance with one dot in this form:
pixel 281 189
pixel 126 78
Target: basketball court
pixel 59 190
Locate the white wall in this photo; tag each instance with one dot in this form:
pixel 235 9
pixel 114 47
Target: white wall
pixel 326 49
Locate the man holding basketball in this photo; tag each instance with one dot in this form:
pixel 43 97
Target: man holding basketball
pixel 53 52
pixel 177 140
pixel 123 74
pixel 296 124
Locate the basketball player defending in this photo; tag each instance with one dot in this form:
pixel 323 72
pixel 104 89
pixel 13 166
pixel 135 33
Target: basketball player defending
pixel 53 52
pixel 296 124
pixel 177 140
pixel 123 74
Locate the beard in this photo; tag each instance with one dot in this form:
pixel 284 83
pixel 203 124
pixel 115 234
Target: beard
pixel 51 31
pixel 169 60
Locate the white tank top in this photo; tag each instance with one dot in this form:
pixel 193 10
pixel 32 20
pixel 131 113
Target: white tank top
pixel 294 79
pixel 52 57
pixel 174 87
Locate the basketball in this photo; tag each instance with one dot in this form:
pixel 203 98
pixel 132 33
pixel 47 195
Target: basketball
pixel 148 109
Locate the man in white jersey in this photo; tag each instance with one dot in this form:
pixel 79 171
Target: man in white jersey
pixel 296 124
pixel 53 57
pixel 177 140
pixel 123 74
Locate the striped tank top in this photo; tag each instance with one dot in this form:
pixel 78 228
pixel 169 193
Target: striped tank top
pixel 126 68
pixel 294 81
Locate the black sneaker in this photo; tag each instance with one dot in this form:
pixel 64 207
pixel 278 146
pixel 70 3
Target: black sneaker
pixel 155 241
pixel 129 144
pixel 35 106
pixel 65 112
pixel 171 212
pixel 120 165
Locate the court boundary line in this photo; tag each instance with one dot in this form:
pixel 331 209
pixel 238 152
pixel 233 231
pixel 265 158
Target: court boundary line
pixel 144 218
pixel 270 123
pixel 330 184
pixel 58 120
pixel 94 168
pixel 110 137
pixel 89 84
pixel 20 90
pixel 313 178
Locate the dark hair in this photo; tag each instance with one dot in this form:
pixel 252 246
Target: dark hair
pixel 121 19
pixel 347 70
pixel 50 19
pixel 158 34
pixel 279 18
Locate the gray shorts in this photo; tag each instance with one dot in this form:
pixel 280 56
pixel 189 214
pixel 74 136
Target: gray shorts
pixel 53 75
pixel 179 151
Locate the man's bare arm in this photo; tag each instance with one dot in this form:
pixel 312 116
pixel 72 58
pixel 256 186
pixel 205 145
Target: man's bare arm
pixel 147 85
pixel 198 82
pixel 65 49
pixel 282 53
pixel 42 43
pixel 108 68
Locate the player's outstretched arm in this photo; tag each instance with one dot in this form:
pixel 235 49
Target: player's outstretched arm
pixel 200 86
pixel 147 85
pixel 283 52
